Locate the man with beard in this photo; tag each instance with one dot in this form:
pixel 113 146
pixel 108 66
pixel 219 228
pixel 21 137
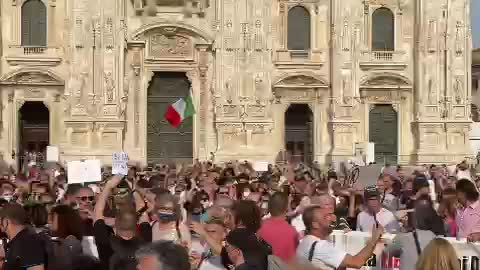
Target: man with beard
pixel 117 246
pixel 318 250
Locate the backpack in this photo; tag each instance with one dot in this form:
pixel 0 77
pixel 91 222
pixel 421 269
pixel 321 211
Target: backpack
pixel 123 258
pixel 60 253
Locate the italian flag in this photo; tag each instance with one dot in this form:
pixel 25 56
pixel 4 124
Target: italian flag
pixel 180 110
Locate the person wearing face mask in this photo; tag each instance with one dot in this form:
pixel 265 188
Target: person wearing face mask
pixel 25 249
pixel 168 225
pixel 117 246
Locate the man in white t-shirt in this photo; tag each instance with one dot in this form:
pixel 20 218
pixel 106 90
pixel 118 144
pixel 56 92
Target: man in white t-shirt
pixel 366 221
pixel 318 250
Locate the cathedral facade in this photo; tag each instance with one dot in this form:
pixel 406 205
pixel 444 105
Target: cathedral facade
pixel 316 79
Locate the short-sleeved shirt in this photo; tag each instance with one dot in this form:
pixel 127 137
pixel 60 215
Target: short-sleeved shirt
pixel 283 247
pixel 25 250
pixel 325 255
pixel 366 222
pixel 468 220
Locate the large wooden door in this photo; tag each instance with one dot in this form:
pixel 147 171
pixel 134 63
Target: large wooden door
pixel 164 142
pixel 298 133
pixel 33 133
pixel 383 130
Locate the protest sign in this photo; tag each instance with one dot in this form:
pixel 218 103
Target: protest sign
pixel 52 153
pixel 260 166
pixel 120 163
pixel 84 171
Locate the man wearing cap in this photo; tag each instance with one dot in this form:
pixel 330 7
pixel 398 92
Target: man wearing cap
pixel 375 214
pixel 25 250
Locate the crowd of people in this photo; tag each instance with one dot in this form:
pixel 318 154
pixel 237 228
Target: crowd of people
pixel 209 216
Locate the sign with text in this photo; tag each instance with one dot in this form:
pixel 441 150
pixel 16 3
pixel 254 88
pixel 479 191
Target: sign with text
pixel 84 171
pixel 120 163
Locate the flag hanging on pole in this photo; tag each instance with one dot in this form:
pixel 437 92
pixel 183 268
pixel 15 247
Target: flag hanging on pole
pixel 180 110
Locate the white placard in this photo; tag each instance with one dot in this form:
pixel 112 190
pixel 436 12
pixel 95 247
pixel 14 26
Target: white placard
pixel 260 166
pixel 120 163
pixel 464 175
pixel 84 171
pixel 52 153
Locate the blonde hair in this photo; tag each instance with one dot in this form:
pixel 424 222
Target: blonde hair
pixel 439 254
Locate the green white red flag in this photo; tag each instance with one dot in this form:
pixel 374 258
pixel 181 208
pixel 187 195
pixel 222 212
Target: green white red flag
pixel 180 110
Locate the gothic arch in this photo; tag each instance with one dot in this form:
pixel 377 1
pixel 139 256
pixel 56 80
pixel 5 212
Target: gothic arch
pixel 173 28
pixel 26 76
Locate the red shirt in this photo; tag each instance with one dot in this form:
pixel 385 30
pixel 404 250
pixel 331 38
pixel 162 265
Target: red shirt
pixel 281 236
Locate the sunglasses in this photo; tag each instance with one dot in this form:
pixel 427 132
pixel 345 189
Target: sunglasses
pixel 87 198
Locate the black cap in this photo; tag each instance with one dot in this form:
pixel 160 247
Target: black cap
pixel 371 192
pixel 420 182
pixel 244 240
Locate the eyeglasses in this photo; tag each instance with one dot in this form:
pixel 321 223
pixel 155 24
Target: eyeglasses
pixel 87 198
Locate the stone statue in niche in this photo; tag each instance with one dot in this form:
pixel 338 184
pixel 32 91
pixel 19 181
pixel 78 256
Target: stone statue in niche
pixel 431 92
pixel 126 86
pixel 458 39
pixel 431 35
pixel 345 36
pixel 109 86
pixel 457 90
pixel 229 90
pixel 346 88
pixel 258 87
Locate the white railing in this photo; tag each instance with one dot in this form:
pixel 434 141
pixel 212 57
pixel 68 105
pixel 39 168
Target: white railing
pixel 352 242
pixel 382 56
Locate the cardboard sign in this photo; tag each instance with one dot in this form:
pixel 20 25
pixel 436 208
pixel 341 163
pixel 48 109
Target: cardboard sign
pixel 80 172
pixel 369 174
pixel 260 166
pixel 120 163
pixel 52 153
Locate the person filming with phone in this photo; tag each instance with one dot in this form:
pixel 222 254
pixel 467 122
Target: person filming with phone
pixel 374 214
pixel 316 248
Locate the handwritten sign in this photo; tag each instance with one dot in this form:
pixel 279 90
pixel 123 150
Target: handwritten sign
pixel 84 171
pixel 120 163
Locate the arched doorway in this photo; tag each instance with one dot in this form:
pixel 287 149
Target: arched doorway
pixel 164 142
pixel 298 133
pixel 34 121
pixel 383 131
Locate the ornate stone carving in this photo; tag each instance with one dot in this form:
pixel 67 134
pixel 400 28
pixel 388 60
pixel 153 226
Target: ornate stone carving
pixel 458 89
pixel 431 39
pixel 345 36
pixel 459 40
pixel 162 46
pixel 34 93
pixel 32 77
pixel 108 34
pixel 79 33
pixel 109 86
pixel 79 110
pixel 385 80
pixel 110 110
pixel 300 80
pixel 432 92
pixel 11 96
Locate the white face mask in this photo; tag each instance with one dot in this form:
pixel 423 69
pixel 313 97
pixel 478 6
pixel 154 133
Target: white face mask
pixel 7 198
pixel 206 204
